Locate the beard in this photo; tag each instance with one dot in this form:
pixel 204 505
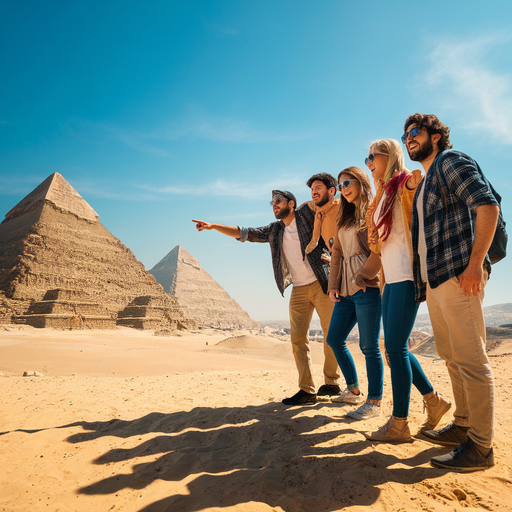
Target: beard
pixel 283 212
pixel 422 152
pixel 322 200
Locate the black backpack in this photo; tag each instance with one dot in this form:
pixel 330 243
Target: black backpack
pixel 498 248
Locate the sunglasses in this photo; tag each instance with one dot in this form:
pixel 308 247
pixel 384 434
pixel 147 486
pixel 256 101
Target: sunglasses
pixel 370 158
pixel 412 132
pixel 345 184
pixel 277 200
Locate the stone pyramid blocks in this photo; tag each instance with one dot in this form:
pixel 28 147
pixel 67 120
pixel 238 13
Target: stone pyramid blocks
pixel 199 295
pixel 60 267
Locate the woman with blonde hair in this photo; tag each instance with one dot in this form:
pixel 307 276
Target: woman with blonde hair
pixel 356 299
pixel 389 233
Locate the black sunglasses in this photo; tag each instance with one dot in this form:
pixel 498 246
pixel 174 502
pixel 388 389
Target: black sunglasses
pixel 412 132
pixel 345 184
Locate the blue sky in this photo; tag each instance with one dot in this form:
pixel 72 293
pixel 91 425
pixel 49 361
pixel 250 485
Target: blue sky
pixel 160 112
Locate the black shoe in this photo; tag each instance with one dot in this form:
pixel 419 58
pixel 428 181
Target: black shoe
pixel 451 435
pixel 467 456
pixel 301 398
pixel 329 390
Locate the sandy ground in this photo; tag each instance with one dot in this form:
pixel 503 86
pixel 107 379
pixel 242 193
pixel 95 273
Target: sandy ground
pixel 126 421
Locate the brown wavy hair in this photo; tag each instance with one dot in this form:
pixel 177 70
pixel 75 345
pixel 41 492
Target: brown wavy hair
pixel 350 214
pixel 432 125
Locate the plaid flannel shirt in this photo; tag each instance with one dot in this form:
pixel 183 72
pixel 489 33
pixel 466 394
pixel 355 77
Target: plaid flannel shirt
pixel 454 188
pixel 273 235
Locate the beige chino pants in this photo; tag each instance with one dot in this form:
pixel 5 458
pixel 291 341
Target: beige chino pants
pixel 459 332
pixel 303 300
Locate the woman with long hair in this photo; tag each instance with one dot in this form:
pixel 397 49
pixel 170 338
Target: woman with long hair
pixel 356 300
pixel 389 233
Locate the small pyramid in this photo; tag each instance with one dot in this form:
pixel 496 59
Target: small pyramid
pixel 60 267
pixel 200 296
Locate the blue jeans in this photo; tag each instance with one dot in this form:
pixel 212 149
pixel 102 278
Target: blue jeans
pixel 363 308
pixel 398 315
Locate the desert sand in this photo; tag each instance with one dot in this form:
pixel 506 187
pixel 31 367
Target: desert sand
pixel 126 421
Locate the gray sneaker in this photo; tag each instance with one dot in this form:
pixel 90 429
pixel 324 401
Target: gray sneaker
pixel 365 412
pixel 348 397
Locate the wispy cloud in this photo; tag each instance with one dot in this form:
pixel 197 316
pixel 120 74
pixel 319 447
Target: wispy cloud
pixel 465 77
pixel 16 184
pixel 194 126
pixel 224 30
pixel 253 188
pixel 103 132
pixel 228 129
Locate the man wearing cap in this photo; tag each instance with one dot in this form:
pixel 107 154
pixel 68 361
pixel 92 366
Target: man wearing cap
pixel 289 237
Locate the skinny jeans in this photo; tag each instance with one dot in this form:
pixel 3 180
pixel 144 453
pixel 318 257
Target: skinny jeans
pixel 399 311
pixel 363 308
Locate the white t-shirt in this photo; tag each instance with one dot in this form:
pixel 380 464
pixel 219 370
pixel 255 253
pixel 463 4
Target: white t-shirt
pixel 394 252
pixel 422 243
pixel 300 269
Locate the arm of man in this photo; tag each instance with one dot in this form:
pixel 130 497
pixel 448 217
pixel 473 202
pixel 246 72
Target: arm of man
pixel 233 231
pixel 471 280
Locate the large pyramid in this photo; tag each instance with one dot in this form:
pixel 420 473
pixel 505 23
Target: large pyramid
pixel 200 296
pixel 60 267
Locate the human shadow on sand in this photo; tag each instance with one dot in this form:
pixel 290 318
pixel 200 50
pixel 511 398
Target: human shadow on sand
pixel 267 454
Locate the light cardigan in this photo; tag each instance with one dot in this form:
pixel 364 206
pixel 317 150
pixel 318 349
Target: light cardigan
pixel 368 272
pixel 405 197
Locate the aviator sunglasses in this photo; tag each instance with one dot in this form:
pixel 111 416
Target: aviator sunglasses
pixel 412 132
pixel 345 184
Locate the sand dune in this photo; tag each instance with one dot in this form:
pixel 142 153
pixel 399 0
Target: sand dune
pixel 138 428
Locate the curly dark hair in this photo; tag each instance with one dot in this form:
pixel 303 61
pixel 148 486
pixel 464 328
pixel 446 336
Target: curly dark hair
pixel 328 180
pixel 432 125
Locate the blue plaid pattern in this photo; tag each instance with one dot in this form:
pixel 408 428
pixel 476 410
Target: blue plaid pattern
pixel 273 235
pixel 453 189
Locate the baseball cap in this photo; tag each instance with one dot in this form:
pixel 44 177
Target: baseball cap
pixel 285 194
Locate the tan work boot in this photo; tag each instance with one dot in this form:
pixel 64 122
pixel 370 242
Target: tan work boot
pixel 396 430
pixel 436 406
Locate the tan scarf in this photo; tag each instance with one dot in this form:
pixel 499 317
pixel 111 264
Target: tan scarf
pixel 325 224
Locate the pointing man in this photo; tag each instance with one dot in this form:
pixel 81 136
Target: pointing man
pixel 288 238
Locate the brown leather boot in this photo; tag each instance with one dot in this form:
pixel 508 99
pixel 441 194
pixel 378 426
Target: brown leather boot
pixel 436 406
pixel 396 430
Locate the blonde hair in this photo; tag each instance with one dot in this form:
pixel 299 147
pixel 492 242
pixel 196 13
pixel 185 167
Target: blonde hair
pixel 390 148
pixel 350 214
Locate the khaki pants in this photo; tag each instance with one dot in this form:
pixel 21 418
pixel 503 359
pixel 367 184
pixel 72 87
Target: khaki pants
pixel 459 331
pixel 303 300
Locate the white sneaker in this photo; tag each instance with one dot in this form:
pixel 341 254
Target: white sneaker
pixel 348 397
pixel 365 412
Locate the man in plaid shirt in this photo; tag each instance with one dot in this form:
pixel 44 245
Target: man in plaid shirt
pixel 288 238
pixel 453 222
